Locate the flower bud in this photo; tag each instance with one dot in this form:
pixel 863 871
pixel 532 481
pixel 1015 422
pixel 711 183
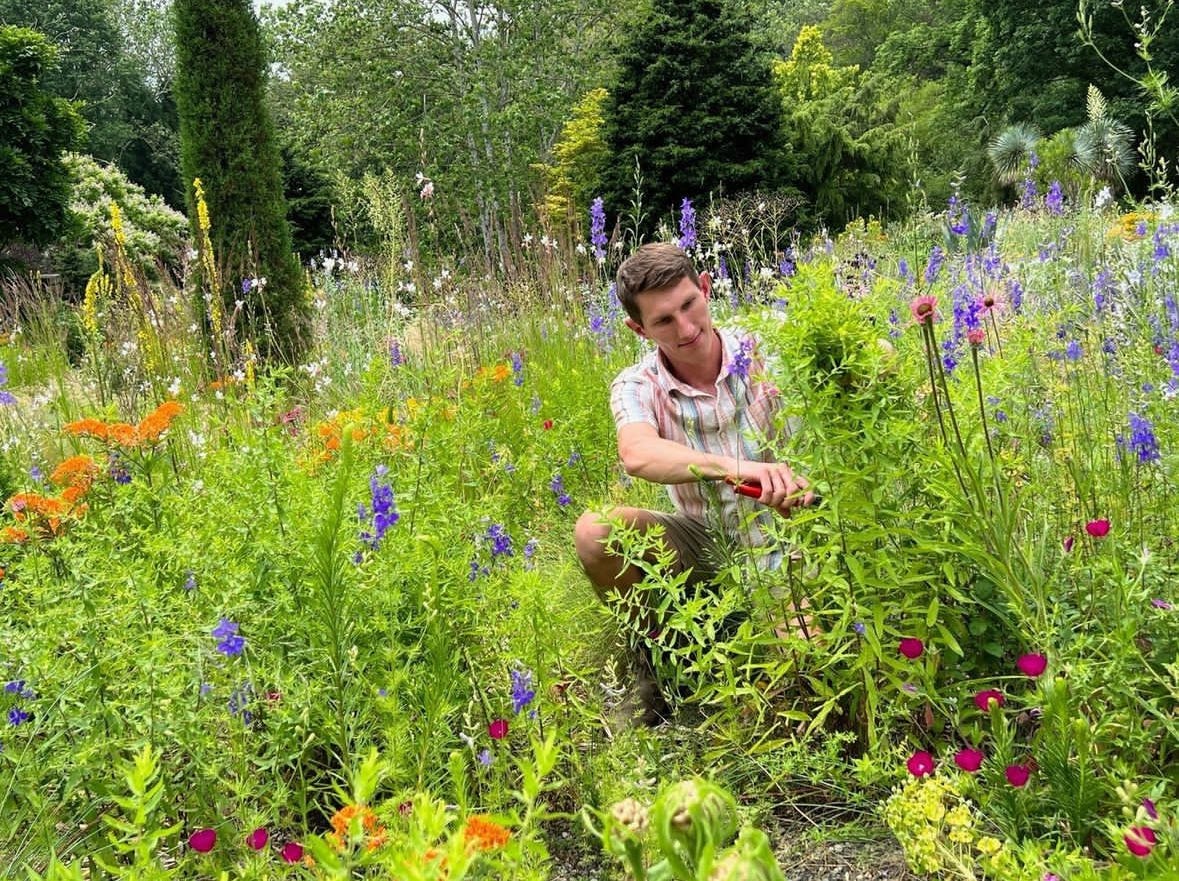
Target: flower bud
pixel 630 814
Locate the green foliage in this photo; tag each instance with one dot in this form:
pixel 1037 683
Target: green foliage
pixel 579 155
pixel 37 128
pixel 848 150
pixel 228 143
pixel 693 106
pixel 130 121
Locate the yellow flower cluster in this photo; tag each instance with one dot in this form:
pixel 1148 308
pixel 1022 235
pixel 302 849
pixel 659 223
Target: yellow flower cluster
pixel 327 436
pixel 1126 228
pixel 938 829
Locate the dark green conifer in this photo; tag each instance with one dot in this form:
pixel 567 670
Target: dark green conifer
pixel 227 140
pixel 695 104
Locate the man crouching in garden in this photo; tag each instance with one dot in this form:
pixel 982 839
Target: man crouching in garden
pixel 690 414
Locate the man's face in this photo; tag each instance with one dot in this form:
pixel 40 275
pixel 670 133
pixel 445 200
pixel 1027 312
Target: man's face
pixel 676 318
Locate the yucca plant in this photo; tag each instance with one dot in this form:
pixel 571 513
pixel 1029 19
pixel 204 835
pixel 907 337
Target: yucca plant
pixel 1103 146
pixel 1012 150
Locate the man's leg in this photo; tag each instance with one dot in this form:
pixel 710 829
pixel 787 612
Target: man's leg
pixel 614 580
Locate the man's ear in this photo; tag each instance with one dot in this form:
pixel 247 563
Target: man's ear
pixel 706 284
pixel 636 327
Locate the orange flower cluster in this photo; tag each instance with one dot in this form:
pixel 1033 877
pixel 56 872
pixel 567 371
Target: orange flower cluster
pixel 45 515
pixel 329 433
pixel 342 822
pixel 483 833
pixel 123 434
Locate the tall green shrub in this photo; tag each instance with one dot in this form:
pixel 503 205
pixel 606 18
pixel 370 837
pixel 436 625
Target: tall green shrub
pixel 227 141
pixel 695 105
pixel 35 130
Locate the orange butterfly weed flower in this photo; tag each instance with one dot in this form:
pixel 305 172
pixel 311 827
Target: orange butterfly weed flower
pixel 483 833
pixel 158 421
pixel 342 821
pixel 76 471
pixel 14 535
pixel 25 505
pixel 87 428
pixel 122 434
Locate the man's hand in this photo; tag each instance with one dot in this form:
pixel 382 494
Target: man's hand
pixel 781 488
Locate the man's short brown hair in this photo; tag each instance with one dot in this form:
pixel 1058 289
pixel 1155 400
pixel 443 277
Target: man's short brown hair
pixel 653 266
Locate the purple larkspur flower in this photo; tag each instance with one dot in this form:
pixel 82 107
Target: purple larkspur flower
pixel 687 225
pixel 530 547
pixel 1143 442
pixel 742 359
pixel 859 627
pixel 1160 603
pixel 517 369
pixel 557 485
pixel 598 228
pixel 384 509
pixel 934 267
pixel 485 758
pixel 396 358
pixel 501 542
pixel 231 644
pixel 522 691
pixel 17 716
pixel 190 581
pixel 1073 351
pixel 1054 199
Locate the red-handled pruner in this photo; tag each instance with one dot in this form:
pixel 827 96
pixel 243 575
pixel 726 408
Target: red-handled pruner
pixel 751 489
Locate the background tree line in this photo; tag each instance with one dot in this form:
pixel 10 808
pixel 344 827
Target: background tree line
pixel 483 118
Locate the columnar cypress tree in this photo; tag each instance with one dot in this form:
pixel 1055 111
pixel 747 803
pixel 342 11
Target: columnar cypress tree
pixel 227 140
pixel 695 104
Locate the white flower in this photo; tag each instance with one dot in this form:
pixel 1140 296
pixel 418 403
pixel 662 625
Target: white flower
pixel 174 387
pixel 1103 198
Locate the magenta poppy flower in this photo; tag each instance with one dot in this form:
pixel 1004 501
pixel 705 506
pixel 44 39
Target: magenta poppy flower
pixel 257 839
pixel 911 647
pixel 969 759
pixel 292 852
pixel 920 764
pixel 498 729
pixel 1017 775
pixel 983 699
pixel 203 840
pixel 1097 528
pixel 1068 543
pixel 1140 840
pixel 1032 664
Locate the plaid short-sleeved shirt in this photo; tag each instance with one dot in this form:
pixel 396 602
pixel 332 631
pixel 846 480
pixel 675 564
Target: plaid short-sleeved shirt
pixel 736 421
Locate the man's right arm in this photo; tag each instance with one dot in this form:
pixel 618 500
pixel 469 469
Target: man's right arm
pixel 646 455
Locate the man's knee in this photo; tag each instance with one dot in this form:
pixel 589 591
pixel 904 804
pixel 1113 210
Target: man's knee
pixel 589 537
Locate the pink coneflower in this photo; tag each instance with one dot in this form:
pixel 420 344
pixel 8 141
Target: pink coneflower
pixel 969 759
pixel 924 308
pixel 498 729
pixel 920 764
pixel 1097 528
pixel 911 647
pixel 258 839
pixel 976 337
pixel 984 698
pixel 292 852
pixel 1032 664
pixel 1140 840
pixel 203 840
pixel 988 302
pixel 1017 775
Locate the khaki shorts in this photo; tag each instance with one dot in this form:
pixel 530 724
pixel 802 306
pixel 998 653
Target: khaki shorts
pixel 693 544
